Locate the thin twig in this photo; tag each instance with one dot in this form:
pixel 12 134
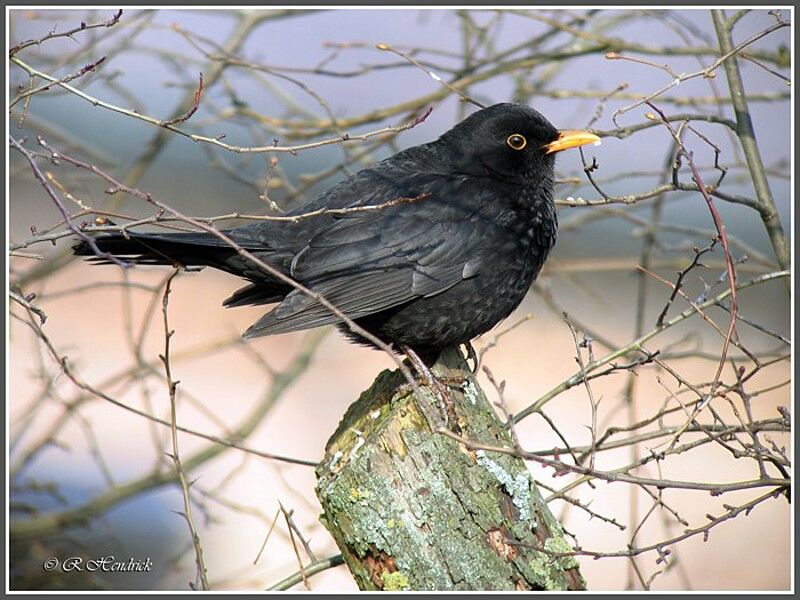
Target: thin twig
pixel 183 482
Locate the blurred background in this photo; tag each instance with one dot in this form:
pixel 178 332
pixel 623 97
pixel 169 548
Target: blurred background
pixel 87 477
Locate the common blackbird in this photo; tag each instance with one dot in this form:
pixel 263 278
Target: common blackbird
pixel 423 274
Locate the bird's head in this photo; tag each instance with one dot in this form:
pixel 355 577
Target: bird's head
pixel 512 142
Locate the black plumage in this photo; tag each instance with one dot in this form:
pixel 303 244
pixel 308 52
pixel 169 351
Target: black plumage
pixel 426 274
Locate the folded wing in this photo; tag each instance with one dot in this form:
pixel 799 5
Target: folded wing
pixel 369 262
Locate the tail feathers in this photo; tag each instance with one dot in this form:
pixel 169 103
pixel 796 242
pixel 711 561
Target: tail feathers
pixel 136 249
pixel 186 249
pixel 257 294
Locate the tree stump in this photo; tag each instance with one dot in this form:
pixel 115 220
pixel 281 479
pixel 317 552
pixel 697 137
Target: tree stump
pixel 412 509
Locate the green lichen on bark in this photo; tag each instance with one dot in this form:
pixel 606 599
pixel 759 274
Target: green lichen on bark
pixel 401 499
pixel 394 582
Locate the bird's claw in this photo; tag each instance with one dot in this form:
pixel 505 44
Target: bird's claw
pixel 473 356
pixel 438 385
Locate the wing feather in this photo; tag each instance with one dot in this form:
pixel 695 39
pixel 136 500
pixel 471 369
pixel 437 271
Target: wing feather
pixel 369 262
pixel 356 297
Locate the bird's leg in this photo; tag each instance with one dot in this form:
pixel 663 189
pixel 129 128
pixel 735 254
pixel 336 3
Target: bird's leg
pixel 446 404
pixel 472 355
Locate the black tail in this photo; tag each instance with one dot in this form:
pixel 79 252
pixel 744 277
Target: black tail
pixel 189 250
pixel 186 249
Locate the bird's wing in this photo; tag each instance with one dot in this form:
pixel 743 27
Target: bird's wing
pixel 367 262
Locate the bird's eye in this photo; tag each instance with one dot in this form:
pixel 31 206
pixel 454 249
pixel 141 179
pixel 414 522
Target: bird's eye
pixel 516 141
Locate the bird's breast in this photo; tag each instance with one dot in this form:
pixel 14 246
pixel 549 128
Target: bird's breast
pixel 526 231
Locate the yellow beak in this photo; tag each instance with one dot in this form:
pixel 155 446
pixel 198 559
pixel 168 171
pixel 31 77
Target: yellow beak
pixel 571 138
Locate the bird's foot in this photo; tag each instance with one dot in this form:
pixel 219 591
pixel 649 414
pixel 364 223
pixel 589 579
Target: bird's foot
pixel 438 385
pixel 473 356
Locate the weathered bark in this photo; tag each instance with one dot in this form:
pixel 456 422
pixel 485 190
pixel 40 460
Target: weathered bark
pixel 413 509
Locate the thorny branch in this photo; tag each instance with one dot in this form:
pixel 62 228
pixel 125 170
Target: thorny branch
pixel 68 34
pixel 723 237
pixel 172 385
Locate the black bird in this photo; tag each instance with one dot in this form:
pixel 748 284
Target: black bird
pixel 426 274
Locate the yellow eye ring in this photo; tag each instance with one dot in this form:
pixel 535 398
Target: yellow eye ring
pixel 516 141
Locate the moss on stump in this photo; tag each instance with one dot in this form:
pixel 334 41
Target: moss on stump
pixel 411 509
